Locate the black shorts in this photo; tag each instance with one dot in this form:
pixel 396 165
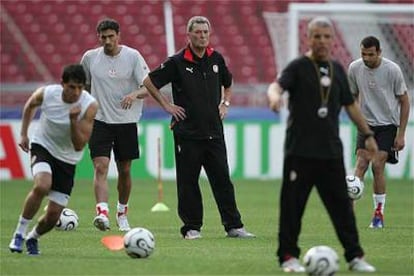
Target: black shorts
pixel 62 173
pixel 385 136
pixel 121 138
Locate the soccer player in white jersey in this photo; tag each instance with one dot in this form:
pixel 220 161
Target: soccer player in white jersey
pixel 114 74
pixel 56 146
pixel 382 93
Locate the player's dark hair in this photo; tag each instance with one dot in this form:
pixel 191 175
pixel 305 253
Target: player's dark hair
pixel 107 24
pixel 371 41
pixel 74 72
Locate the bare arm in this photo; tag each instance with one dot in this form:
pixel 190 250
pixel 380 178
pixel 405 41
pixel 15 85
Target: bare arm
pixel 225 102
pixel 176 111
pixel 140 93
pixel 274 93
pixel 399 142
pixel 81 130
pixel 356 116
pixel 29 110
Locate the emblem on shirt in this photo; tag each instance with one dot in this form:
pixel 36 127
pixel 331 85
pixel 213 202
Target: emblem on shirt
pixel 112 73
pixel 189 69
pixel 215 68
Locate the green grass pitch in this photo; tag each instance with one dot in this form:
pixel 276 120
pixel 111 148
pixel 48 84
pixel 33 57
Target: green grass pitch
pixel 80 252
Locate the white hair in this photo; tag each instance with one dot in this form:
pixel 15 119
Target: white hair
pixel 198 19
pixel 320 21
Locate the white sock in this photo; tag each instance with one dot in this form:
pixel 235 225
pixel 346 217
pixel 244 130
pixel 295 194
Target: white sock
pixel 102 206
pixel 33 234
pixel 122 208
pixel 379 198
pixel 22 225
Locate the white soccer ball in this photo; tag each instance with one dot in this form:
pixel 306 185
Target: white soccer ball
pixel 139 243
pixel 355 187
pixel 321 261
pixel 68 220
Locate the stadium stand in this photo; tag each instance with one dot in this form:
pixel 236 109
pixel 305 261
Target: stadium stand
pixel 62 30
pixel 15 63
pixel 58 32
pixel 404 34
pixel 38 37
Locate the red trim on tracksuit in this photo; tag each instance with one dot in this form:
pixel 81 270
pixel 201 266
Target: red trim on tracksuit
pixel 188 55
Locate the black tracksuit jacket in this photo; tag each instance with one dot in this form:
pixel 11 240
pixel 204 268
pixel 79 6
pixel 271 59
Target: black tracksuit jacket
pixel 197 87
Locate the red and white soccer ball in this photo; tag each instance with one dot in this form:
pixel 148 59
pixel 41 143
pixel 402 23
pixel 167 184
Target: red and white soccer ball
pixel 355 187
pixel 68 220
pixel 139 243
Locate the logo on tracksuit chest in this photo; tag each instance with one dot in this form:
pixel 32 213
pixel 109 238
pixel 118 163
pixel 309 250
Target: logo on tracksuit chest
pixel 191 69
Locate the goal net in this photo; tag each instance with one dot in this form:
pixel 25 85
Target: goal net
pixel 392 24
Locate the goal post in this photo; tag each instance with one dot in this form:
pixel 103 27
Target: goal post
pixel 393 24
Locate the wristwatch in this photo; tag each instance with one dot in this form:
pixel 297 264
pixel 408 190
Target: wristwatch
pixel 226 103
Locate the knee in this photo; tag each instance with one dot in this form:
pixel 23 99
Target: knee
pixel 124 169
pixel 378 166
pixel 101 168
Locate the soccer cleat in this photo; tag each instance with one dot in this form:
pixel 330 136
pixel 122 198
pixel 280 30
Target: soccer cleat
pixel 239 233
pixel 32 247
pixel 122 222
pixel 377 220
pixel 360 265
pixel 16 244
pixel 292 265
pixel 101 222
pixel 192 235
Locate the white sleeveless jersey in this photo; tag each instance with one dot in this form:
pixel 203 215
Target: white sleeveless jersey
pixel 377 89
pixel 53 130
pixel 112 78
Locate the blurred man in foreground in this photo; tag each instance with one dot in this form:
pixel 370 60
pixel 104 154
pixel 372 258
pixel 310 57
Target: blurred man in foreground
pixel 318 88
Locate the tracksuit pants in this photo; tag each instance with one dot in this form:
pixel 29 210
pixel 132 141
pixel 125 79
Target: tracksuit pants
pixel 328 176
pixel 211 154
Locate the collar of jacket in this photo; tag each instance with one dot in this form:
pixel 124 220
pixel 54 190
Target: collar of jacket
pixel 188 54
